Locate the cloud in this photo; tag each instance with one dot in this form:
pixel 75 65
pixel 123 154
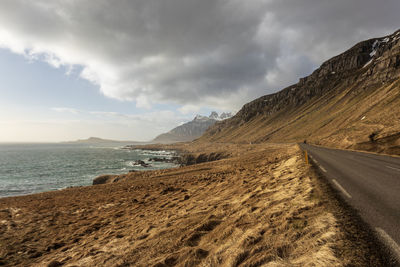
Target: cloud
pixel 66 110
pixel 209 53
pixel 148 124
pixel 140 127
pixel 105 113
pixel 189 108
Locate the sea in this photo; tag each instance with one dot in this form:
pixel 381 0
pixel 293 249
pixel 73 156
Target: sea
pixel 33 168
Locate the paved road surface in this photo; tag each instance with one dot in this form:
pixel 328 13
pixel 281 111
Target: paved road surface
pixel 368 182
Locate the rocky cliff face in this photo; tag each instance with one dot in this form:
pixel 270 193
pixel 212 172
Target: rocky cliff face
pixel 191 130
pixel 371 67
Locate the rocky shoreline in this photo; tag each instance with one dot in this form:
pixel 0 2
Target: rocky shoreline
pixel 180 158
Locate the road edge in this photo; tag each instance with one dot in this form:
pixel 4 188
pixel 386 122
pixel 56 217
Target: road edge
pixel 389 252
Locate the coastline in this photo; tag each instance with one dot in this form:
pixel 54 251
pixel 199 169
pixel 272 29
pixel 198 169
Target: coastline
pixel 259 205
pixel 34 168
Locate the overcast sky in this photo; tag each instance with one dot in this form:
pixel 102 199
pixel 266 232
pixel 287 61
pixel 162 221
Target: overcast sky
pixel 131 69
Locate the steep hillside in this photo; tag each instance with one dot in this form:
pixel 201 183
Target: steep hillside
pixel 192 129
pixel 351 101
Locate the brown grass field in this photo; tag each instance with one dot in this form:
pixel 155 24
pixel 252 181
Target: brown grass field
pixel 262 206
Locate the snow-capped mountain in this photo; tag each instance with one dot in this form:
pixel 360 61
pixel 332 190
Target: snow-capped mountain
pixel 192 129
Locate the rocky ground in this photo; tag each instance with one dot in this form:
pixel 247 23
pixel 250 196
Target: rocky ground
pixel 261 206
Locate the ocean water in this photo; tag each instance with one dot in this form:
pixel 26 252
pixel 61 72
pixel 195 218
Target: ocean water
pixel 34 168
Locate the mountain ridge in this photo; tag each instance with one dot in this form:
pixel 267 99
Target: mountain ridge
pixel 326 106
pixel 192 129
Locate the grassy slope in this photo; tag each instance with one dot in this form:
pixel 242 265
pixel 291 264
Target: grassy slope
pixel 343 117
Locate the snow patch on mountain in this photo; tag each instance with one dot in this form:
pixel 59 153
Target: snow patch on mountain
pixel 192 129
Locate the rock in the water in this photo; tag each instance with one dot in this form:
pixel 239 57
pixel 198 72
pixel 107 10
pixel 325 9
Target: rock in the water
pixel 142 163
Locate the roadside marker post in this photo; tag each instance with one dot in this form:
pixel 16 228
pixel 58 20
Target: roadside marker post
pixel 306 156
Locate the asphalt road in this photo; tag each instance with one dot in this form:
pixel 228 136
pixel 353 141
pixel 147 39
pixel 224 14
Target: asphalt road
pixel 368 182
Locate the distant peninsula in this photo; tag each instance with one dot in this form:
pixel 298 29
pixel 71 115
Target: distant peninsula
pixel 97 140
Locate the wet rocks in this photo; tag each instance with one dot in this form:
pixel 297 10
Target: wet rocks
pixel 141 163
pixel 166 160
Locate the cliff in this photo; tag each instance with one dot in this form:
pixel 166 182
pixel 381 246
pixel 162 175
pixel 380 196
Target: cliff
pixel 341 103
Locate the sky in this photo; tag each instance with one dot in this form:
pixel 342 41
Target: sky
pixel 132 69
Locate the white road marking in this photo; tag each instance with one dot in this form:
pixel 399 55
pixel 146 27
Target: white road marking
pixel 389 242
pixel 341 188
pixel 322 168
pixel 397 169
pixel 315 161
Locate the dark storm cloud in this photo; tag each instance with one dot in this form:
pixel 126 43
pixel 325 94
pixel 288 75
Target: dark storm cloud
pixel 205 52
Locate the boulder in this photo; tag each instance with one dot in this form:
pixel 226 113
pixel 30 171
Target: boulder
pixel 105 179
